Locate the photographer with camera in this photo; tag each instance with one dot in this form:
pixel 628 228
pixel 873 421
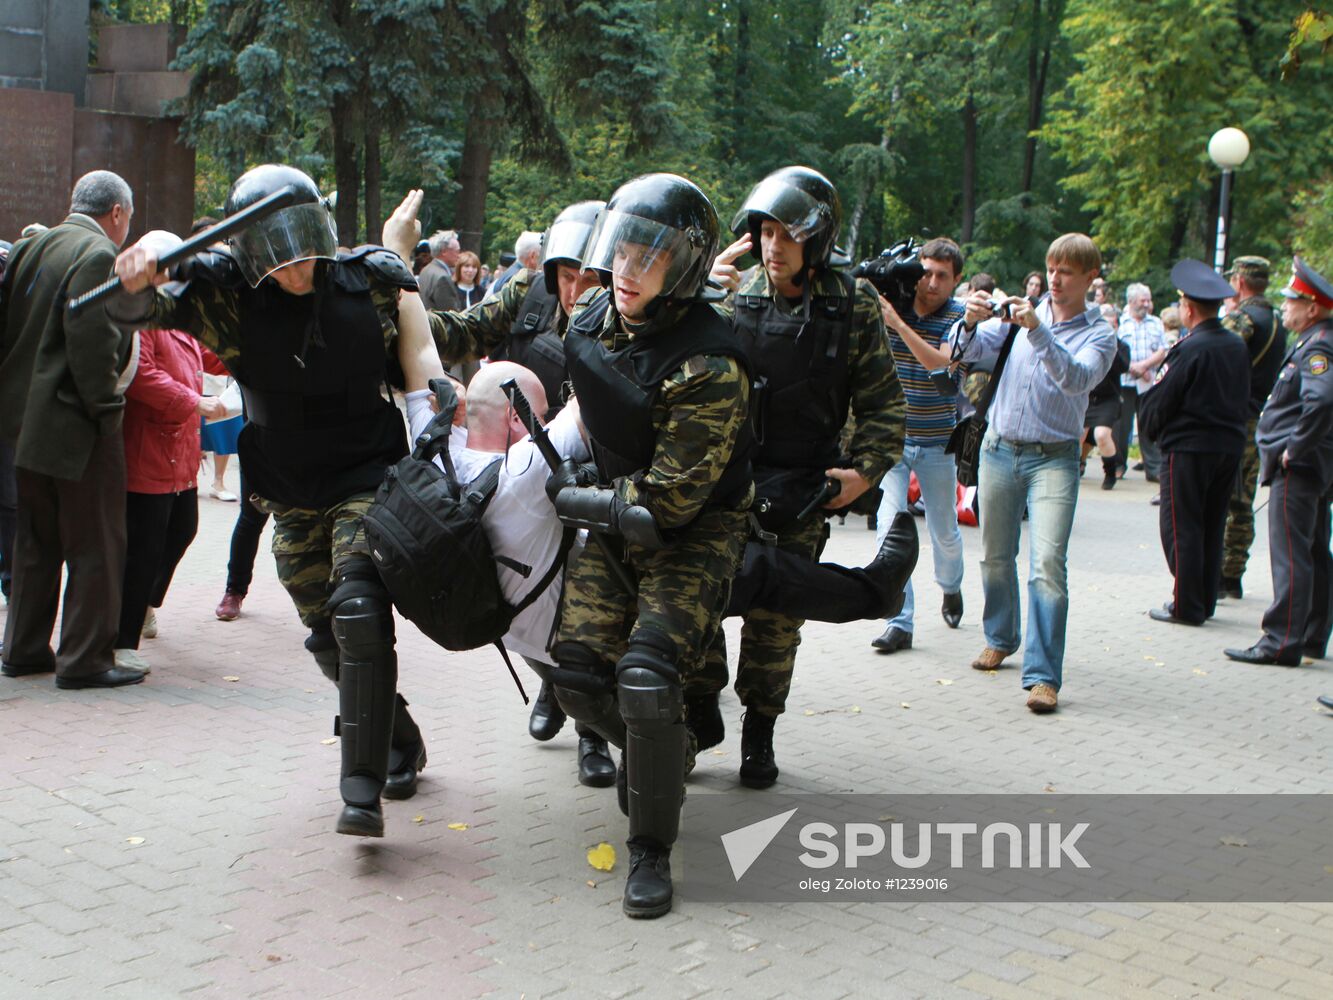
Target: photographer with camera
pixel 918 328
pixel 1057 353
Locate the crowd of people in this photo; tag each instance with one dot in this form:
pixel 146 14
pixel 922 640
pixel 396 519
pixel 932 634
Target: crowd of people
pixel 704 423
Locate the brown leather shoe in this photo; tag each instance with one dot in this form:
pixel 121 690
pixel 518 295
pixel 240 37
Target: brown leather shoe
pixel 1042 699
pixel 229 608
pixel 990 659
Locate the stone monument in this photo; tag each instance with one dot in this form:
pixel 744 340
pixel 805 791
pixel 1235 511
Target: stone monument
pixel 60 118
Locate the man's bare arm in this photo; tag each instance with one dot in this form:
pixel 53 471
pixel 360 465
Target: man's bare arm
pixel 416 349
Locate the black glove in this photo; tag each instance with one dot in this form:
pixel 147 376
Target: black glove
pixel 570 473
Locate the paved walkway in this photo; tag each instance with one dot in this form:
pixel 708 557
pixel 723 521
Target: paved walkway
pixel 175 838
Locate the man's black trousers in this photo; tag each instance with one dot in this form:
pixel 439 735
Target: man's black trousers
pixel 1193 518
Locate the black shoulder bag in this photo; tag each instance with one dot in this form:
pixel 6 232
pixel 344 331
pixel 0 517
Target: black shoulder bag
pixel 965 441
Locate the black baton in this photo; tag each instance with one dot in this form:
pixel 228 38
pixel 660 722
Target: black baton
pixel 282 198
pixel 543 442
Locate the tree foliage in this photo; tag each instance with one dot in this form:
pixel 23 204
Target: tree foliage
pixel 1001 123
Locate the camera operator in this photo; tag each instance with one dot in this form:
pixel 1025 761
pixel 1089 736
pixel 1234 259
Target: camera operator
pixel 1060 350
pixel 919 343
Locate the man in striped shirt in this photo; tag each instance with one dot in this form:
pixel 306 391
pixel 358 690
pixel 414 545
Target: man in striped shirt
pixel 919 343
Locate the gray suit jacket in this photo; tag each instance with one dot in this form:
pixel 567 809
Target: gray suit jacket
pixel 58 376
pixel 438 290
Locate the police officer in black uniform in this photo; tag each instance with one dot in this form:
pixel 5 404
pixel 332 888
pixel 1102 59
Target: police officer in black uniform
pixel 1196 412
pixel 1296 462
pixel 313 337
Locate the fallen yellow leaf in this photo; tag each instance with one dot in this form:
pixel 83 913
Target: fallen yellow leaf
pixel 134 840
pixel 1201 673
pixel 330 741
pixel 944 681
pixel 809 712
pixel 904 704
pixel 856 709
pixel 231 679
pixel 602 857
pixel 417 819
pixel 457 826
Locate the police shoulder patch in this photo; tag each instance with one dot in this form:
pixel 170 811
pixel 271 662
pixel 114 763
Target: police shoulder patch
pixel 1161 373
pixel 1316 364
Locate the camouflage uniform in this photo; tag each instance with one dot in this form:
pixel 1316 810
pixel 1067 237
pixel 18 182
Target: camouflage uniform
pixel 1240 511
pixel 683 588
pixel 474 334
pixel 769 640
pixel 310 546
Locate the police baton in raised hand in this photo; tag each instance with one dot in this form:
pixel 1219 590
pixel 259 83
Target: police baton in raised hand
pixel 542 440
pixel 282 198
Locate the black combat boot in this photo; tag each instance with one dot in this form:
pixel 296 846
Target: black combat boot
pixel 1108 473
pixel 547 715
pixel 758 769
pixel 704 720
pixel 648 886
pixel 1230 588
pixel 407 754
pixel 596 769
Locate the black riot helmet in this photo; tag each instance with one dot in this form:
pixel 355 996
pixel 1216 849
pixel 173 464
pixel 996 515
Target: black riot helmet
pixel 566 241
pixel 803 202
pixel 303 231
pixel 653 217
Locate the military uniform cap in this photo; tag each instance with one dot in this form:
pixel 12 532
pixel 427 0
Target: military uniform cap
pixel 1250 267
pixel 1307 283
pixel 1196 280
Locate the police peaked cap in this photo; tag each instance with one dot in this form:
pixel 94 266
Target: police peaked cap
pixel 1196 280
pixel 1307 283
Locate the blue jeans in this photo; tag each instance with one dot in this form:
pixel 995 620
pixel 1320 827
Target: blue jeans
pixel 1044 478
pixel 937 476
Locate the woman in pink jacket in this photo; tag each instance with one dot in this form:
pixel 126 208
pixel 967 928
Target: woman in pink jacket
pixel 162 409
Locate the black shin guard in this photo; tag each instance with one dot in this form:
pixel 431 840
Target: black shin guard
pixel 653 709
pixel 368 680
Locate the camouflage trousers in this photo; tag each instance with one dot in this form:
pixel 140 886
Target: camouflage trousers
pixel 683 590
pixel 1240 510
pixel 311 546
pixel 768 641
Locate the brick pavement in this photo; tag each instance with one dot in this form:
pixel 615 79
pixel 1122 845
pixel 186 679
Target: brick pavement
pixel 174 839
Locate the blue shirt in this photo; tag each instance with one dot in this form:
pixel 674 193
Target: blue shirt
pixel 930 416
pixel 1043 390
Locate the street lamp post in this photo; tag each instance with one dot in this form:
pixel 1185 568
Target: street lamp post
pixel 1228 148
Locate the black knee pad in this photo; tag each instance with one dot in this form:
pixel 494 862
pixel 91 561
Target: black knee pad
pixel 362 610
pixel 649 681
pixel 578 668
pixel 321 644
pixel 584 686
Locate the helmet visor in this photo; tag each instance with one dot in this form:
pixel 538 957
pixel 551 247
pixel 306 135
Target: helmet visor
pixel 566 242
pixel 634 247
pixel 799 213
pixel 301 232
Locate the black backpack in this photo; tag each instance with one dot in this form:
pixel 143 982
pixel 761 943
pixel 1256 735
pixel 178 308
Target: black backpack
pixel 426 537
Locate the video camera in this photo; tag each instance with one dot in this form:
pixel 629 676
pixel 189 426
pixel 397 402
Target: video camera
pixel 894 273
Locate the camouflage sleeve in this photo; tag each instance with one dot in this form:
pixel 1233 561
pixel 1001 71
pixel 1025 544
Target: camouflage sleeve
pixel 385 297
pixel 207 312
pixel 877 397
pixel 699 414
pixel 1239 323
pixel 470 335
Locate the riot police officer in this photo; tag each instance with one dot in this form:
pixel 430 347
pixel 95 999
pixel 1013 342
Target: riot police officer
pixel 1295 439
pixel 526 324
pixel 816 339
pixel 313 336
pixel 664 391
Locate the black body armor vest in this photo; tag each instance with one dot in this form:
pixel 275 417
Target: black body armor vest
pixel 617 390
pixel 535 343
pixel 312 366
pixel 802 366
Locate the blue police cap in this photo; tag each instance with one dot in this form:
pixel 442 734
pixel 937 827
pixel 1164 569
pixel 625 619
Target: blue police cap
pixel 1196 280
